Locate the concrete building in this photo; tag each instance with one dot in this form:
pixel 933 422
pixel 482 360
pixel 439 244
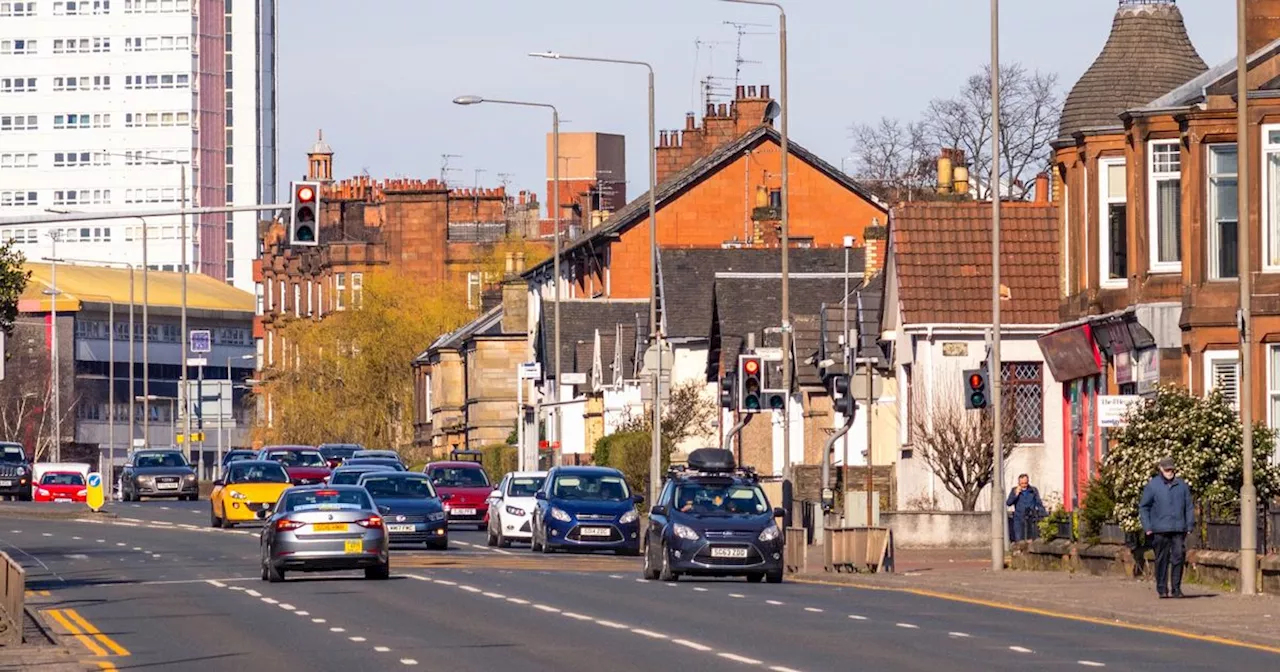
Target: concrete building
pixel 85 296
pixel 95 91
pixel 593 176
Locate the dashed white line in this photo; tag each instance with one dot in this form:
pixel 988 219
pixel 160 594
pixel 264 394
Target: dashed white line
pixel 739 659
pixel 615 576
pixel 470 589
pixel 252 593
pixel 1091 663
pixel 356 639
pixel 611 624
pixel 736 595
pixel 446 583
pixel 779 668
pixel 120 543
pixel 76 538
pixel 286 607
pixel 543 607
pixel 496 596
pixel 958 634
pixel 216 584
pixel 137 548
pixel 813 609
pixel 101 541
pixel 381 649
pixel 317 620
pixel 237 587
pixel 908 626
pixel 649 633
pixel 270 600
pixel 337 629
pixel 1020 649
pixel 408 661
pixel 699 590
pixel 46 534
pixel 693 645
pixel 773 602
pixel 516 600
pixel 302 613
pixel 578 617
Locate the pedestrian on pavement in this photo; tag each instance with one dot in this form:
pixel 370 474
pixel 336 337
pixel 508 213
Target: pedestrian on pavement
pixel 1167 518
pixel 1027 507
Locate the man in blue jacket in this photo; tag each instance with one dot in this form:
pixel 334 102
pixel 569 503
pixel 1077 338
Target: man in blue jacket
pixel 1167 518
pixel 1027 508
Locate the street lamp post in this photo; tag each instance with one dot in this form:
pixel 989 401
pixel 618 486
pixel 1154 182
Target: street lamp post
pixel 555 220
pixel 786 233
pixel 1248 492
pixel 55 378
pixel 655 329
pixel 994 371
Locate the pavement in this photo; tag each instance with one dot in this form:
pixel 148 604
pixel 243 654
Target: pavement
pixel 156 588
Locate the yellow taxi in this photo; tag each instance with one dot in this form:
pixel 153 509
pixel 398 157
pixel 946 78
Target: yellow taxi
pixel 247 487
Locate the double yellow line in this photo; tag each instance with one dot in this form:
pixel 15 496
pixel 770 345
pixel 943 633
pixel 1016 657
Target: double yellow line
pixel 88 635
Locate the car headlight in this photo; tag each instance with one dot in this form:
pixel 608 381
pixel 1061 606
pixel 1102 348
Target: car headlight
pixel 191 477
pixel 436 517
pixel 629 517
pixel 22 471
pixel 143 479
pixel 238 495
pixel 770 533
pixel 514 511
pixel 685 532
pixel 82 493
pixel 43 492
pixel 561 515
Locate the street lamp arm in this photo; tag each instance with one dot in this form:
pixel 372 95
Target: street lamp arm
pixel 590 59
pixel 472 100
pixel 781 10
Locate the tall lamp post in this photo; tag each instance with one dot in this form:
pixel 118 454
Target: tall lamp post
pixel 55 377
pixel 1248 492
pixel 786 233
pixel 994 372
pixel 655 330
pixel 555 220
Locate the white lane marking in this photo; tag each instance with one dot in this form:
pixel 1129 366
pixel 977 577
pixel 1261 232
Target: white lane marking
pixel 908 626
pixel 270 600
pixel 76 556
pixel 516 600
pixel 381 649
pixel 1091 663
pixel 302 613
pixel 356 639
pixel 408 661
pixel 137 548
pixel 578 617
pixel 337 629
pixel 736 595
pixel 76 538
pixel 15 531
pixel 640 581
pixel 496 596
pixel 1019 649
pixel 739 659
pixel 101 541
pixel 611 624
pixel 164 508
pixel 615 576
pixel 216 584
pixel 813 609
pixel 446 583
pixel 461 543
pixel 699 590
pixel 253 593
pixel 773 602
pixel 46 534
pixel 543 607
pixel 237 587
pixel 649 633
pixel 419 577
pixel 286 607
pixel 317 620
pixel 155 555
pixel 471 589
pixel 120 543
pixel 693 645
pixel 958 634
pixel 779 668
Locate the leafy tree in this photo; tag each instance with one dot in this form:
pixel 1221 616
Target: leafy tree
pixel 687 413
pixel 347 375
pixel 491 259
pixel 629 452
pixel 956 443
pixel 1203 436
pixel 13 281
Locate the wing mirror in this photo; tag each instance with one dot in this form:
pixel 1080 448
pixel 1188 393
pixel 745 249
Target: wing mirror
pixel 541 494
pixel 446 497
pixel 383 509
pixel 658 510
pixel 779 512
pixel 218 482
pixel 637 498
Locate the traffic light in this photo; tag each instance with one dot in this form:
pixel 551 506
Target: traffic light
pixel 304 211
pixel 841 399
pixel 750 390
pixel 729 391
pixel 975 386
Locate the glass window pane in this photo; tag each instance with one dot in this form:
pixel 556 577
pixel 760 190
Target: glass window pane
pixel 1115 181
pixel 1225 160
pixel 1169 221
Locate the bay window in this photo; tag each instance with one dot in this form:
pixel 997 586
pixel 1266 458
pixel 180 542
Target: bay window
pixel 1113 239
pixel 1222 206
pixel 1271 197
pixel 1164 193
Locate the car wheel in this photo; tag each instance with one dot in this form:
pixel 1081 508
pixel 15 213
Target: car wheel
pixel 214 520
pixel 490 539
pixel 546 546
pixel 266 575
pixel 228 524
pixel 379 573
pixel 649 572
pixel 666 573
pixel 774 577
pixel 438 545
pixel 274 574
pixel 503 541
pixel 755 578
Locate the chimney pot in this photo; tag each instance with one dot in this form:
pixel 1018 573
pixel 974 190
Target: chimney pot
pixel 764 91
pixel 724 110
pixel 751 91
pixel 711 109
pixel 511 263
pixel 519 262
pixel 662 138
pixel 1042 189
pixel 689 121
pixel 740 92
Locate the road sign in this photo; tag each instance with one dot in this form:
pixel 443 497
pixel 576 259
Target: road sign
pixel 197 361
pixel 531 371
pixel 201 341
pixel 575 378
pixel 93 493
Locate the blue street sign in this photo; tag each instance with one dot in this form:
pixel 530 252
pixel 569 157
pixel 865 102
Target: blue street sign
pixel 95 480
pixel 201 341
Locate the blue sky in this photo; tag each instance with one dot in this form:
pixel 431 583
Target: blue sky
pixel 378 77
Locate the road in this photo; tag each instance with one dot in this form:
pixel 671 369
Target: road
pixel 157 588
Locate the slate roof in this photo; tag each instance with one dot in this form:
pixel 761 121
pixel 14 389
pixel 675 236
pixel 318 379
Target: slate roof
pixel 1219 80
pixel 488 323
pixel 638 209
pixel 1147 55
pixel 581 318
pixel 942 256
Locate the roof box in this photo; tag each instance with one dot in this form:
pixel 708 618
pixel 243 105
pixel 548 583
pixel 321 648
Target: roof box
pixel 711 460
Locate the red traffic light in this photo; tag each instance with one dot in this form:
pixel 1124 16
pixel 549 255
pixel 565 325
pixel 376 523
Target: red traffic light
pixel 306 194
pixel 975 381
pixel 751 366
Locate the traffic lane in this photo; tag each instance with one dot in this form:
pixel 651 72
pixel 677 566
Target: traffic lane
pixel 163 510
pixel 457 625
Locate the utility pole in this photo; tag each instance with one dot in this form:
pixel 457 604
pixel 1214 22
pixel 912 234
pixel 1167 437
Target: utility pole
pixel 55 379
pixel 1248 493
pixel 994 370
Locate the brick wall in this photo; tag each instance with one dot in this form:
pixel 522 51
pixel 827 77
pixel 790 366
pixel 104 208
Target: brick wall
pixel 678 149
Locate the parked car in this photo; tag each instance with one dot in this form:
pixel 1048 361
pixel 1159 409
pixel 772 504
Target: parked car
pixel 15 472
pixel 246 487
pixel 60 482
pixel 158 473
pixel 349 474
pixel 412 510
pixel 322 528
pixel 586 508
pixel 306 466
pixel 511 507
pixel 468 488
pixel 713 519
pixel 335 453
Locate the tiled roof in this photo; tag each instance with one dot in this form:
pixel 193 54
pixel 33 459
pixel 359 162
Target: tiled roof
pixel 1147 55
pixel 942 256
pixel 581 318
pixel 1220 80
pixel 488 323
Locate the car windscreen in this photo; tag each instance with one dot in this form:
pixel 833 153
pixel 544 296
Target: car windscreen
pixel 11 453
pixel 591 487
pixel 239 457
pixel 256 473
pixel 375 462
pixel 721 499
pixel 338 452
pixel 298 458
pixel 349 476
pixel 321 500
pixel 400 486
pixel 525 486
pixel 149 460
pixel 459 477
pixel 62 478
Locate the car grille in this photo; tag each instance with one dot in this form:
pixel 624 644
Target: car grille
pixel 704 556
pixel 9 470
pixel 596 517
pixel 258 506
pixel 726 535
pixel 167 479
pixel 575 535
pixel 404 518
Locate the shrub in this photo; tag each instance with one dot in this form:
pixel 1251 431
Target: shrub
pixel 1049 524
pixel 1099 505
pixel 498 459
pixel 629 452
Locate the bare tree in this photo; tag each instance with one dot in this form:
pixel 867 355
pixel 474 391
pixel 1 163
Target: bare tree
pixel 688 413
pixel 955 442
pixel 26 396
pixel 1030 108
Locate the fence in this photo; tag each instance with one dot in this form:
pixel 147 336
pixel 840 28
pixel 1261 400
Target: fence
pixel 15 585
pixel 1273 531
pixel 859 549
pixel 796 549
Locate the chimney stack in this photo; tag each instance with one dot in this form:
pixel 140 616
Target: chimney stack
pixel 1262 23
pixel 740 92
pixel 519 263
pixel 511 264
pixel 690 121
pixel 1042 189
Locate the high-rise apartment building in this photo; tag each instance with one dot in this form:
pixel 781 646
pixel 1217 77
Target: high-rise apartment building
pixel 102 101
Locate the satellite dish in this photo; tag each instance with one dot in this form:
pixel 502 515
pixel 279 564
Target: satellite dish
pixel 772 111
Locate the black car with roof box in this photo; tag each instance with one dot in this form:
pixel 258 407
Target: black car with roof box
pixel 713 519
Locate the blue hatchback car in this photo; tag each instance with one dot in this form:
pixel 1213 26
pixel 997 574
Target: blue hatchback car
pixel 586 508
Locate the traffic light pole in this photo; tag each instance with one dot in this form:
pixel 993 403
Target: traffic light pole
pixel 826 476
pixel 735 430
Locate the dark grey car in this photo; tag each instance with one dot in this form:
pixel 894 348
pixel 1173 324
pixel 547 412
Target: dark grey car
pixel 317 528
pixel 158 473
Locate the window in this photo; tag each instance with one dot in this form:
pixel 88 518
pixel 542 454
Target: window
pixel 1224 250
pixel 82 120
pixel 17 9
pixel 83 83
pixel 18 160
pixel 1113 239
pixel 157 81
pixel 474 288
pixel 357 289
pixel 1222 372
pixel 265 295
pixel 1164 193
pixel 156 119
pixel 17 47
pixel 81 7
pixel 281 298
pixel 154 157
pixel 81 45
pixel 17 84
pixel 1024 400
pixel 1271 197
pixel 297 300
pixel 18 122
pixel 340 289
pixel 79 159
pixel 82 197
pixel 157 43
pixel 156 6
pixel 165 195
pixel 18 199
pixel 1273 385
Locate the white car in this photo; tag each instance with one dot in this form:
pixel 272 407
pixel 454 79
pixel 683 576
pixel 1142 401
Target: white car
pixel 511 506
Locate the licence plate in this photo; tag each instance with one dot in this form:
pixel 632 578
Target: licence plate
pixel 595 532
pixel 167 486
pixel 330 527
pixel 463 512
pixel 400 528
pixel 6 484
pixel 353 546
pixel 728 552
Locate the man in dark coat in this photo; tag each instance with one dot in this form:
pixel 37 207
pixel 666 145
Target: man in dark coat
pixel 1027 508
pixel 1167 518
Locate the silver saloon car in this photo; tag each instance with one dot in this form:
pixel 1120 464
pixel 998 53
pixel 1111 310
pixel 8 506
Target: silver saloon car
pixel 320 528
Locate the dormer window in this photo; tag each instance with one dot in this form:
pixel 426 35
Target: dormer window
pixel 1164 193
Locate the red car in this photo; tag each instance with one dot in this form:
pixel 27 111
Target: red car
pixel 468 488
pixel 304 464
pixel 61 486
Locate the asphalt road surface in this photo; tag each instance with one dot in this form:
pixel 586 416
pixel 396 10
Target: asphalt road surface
pixel 158 589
